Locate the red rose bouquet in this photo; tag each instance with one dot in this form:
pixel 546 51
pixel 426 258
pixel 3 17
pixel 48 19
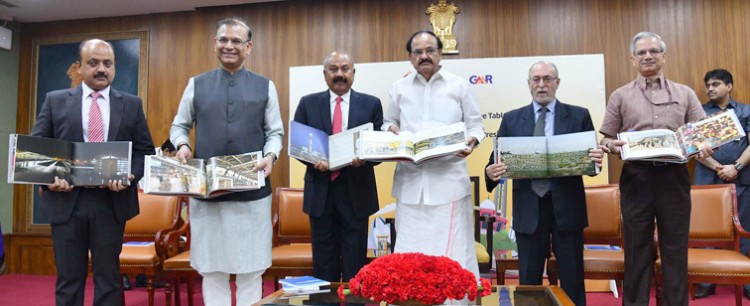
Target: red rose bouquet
pixel 414 276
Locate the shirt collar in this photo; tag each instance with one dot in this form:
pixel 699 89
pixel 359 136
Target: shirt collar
pixel 550 106
pixel 87 92
pixel 643 81
pixel 732 104
pixel 435 76
pixel 344 97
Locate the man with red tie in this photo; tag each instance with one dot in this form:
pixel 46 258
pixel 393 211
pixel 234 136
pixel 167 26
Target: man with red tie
pixel 339 202
pixel 92 220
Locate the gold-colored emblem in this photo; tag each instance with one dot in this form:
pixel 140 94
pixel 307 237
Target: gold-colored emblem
pixel 442 17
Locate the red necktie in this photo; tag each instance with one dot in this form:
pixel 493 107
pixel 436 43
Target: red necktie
pixel 96 128
pixel 337 128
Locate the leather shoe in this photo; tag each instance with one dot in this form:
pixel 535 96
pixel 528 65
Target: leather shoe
pixel 704 290
pixel 126 283
pixel 746 291
pixel 141 281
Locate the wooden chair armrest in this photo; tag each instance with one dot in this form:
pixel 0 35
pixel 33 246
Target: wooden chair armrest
pixel 169 242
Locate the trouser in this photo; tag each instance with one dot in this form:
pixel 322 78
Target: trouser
pixel 339 237
pixel 93 226
pixel 216 290
pixel 649 191
pixel 534 249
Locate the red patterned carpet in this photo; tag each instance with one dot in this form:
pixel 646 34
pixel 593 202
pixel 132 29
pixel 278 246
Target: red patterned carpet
pixel 32 290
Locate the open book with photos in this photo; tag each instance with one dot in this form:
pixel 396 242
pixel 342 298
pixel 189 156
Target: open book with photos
pixel 547 156
pixel 202 178
pixel 415 147
pixel 677 147
pixel 312 145
pixel 38 160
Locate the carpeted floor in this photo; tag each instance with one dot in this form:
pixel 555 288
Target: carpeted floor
pixel 32 290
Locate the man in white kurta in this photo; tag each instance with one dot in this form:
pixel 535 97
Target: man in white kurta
pixel 434 210
pixel 234 111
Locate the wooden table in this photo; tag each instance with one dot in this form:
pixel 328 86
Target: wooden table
pixel 520 295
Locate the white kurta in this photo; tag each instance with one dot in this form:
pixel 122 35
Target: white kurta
pixel 230 237
pixel 417 105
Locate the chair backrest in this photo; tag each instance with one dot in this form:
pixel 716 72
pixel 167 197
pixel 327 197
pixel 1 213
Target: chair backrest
pixel 711 217
pixel 156 213
pixel 290 223
pixel 604 215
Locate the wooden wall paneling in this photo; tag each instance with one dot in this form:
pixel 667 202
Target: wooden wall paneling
pixel 30 254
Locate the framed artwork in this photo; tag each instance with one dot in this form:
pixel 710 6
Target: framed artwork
pixel 55 66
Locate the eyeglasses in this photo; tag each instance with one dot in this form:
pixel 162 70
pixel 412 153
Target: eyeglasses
pixel 546 80
pixel 235 42
pixel 642 53
pixel 428 51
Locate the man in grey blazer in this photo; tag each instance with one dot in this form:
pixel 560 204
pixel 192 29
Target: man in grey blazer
pixel 558 215
pixel 92 219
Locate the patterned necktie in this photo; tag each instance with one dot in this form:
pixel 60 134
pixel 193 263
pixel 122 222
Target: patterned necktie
pixel 337 122
pixel 540 186
pixel 96 127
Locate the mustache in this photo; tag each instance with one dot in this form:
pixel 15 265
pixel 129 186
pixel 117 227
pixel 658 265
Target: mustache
pixel 339 79
pixel 426 60
pixel 100 74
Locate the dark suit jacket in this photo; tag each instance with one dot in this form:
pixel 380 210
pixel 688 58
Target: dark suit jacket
pixel 315 110
pixel 568 196
pixel 60 118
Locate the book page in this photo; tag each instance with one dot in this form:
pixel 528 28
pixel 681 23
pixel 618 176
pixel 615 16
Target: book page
pixel 168 176
pixel 96 163
pixel 37 160
pixel 568 154
pixel 343 146
pixel 652 145
pixel 307 143
pixel 234 172
pixel 440 141
pixel 713 131
pixel 380 146
pixel 524 157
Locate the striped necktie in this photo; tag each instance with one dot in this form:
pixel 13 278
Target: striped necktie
pixel 96 127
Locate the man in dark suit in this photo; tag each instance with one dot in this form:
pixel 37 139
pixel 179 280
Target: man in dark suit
pixel 339 202
pixel 92 219
pixel 547 208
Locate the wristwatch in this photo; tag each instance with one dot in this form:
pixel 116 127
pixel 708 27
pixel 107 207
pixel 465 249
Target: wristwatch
pixel 184 144
pixel 738 166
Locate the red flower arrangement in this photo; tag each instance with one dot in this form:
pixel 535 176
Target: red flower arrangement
pixel 414 276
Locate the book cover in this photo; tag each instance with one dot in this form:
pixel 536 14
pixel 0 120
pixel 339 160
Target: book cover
pixel 414 147
pixel 547 156
pixel 202 178
pixel 311 145
pixel 302 282
pixel 37 160
pixel 677 147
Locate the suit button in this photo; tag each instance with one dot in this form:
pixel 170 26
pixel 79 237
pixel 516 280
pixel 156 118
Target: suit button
pixel 231 102
pixel 230 141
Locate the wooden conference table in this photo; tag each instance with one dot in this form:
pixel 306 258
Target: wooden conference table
pixel 504 296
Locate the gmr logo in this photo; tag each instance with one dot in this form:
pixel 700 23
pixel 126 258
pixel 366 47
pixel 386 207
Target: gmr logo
pixel 478 79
